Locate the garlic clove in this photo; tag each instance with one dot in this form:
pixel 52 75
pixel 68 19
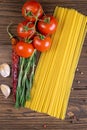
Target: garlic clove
pixel 5 90
pixel 5 70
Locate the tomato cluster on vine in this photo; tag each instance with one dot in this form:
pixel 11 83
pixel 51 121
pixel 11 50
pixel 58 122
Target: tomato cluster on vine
pixel 35 31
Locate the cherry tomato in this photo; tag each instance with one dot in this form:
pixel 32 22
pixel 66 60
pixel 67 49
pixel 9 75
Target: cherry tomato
pixel 25 29
pixel 24 49
pixel 47 25
pixel 31 9
pixel 42 43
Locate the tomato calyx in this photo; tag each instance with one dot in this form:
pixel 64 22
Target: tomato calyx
pixel 47 20
pixel 27 28
pixel 28 13
pixel 42 37
pixel 28 40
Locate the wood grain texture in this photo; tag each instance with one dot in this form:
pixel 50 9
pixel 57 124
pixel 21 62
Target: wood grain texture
pixel 25 119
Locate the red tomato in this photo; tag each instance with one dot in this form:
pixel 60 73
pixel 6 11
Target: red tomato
pixel 24 49
pixel 47 25
pixel 32 9
pixel 25 29
pixel 42 44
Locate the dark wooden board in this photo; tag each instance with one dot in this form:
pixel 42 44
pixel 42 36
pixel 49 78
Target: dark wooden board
pixel 25 119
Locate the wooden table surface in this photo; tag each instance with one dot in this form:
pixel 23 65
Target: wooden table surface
pixel 22 119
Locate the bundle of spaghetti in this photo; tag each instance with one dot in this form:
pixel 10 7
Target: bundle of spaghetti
pixel 56 67
pixel 71 74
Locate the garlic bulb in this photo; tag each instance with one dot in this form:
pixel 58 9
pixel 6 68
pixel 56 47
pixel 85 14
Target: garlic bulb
pixel 5 70
pixel 5 90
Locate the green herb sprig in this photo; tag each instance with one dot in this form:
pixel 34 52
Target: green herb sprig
pixel 25 82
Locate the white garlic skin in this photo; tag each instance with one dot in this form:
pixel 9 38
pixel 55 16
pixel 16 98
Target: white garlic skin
pixel 5 90
pixel 4 70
